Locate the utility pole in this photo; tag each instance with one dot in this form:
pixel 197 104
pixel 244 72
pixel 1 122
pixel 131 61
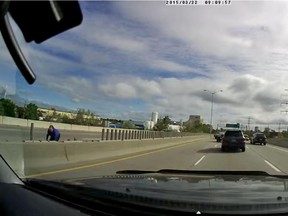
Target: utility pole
pixel 284 102
pixel 283 105
pixel 249 121
pixel 5 93
pixel 212 101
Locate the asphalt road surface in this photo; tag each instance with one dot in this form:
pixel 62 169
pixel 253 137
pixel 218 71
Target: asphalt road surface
pixel 16 133
pixel 203 154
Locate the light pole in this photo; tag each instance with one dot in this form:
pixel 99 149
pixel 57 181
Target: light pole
pixel 212 101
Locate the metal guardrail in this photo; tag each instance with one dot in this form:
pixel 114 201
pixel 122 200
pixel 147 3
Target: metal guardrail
pixel 118 134
pixel 123 134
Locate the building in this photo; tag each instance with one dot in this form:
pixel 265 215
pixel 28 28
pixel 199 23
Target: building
pixel 54 113
pixel 148 125
pixel 174 127
pixel 154 117
pixel 192 120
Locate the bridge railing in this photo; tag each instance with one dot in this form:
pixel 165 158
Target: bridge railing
pixel 127 134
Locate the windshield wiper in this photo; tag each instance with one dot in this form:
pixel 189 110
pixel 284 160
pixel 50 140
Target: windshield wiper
pixel 207 172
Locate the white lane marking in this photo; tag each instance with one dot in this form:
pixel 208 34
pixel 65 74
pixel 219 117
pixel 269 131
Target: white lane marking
pixel 277 148
pixel 199 160
pixel 271 165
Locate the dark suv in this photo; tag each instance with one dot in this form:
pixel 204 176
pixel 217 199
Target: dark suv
pixel 219 136
pixel 233 139
pixel 259 138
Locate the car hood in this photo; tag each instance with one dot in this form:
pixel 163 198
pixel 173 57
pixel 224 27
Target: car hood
pixel 207 193
pixel 206 188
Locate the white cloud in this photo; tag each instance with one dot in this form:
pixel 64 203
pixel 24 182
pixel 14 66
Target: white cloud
pixel 216 34
pixel 154 53
pixel 110 32
pixel 170 66
pixel 112 39
pixel 119 90
pixel 76 100
pixel 131 88
pixel 247 83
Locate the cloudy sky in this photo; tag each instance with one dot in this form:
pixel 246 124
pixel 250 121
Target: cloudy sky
pixel 129 58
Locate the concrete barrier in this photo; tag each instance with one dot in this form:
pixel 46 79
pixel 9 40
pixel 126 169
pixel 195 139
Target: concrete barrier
pixel 38 155
pixel 32 158
pixel 283 142
pixel 14 156
pixel 4 120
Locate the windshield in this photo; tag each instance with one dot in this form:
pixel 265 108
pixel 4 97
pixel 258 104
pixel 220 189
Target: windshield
pixel 260 135
pixel 148 85
pixel 233 134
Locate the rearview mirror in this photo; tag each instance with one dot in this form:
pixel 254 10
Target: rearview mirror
pixel 38 21
pixel 41 20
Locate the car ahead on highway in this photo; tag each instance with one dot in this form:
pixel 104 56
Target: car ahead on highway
pixel 259 138
pixel 233 139
pixel 247 138
pixel 219 136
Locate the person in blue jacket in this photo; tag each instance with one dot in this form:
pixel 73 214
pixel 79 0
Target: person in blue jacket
pixel 53 134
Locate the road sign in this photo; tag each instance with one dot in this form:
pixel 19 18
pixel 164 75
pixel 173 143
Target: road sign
pixel 233 125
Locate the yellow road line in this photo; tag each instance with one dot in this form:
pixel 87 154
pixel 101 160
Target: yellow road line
pixel 108 162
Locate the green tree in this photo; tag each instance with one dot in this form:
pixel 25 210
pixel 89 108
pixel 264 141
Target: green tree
pixel 162 124
pixel 48 117
pixel 67 120
pixel 128 125
pixel 80 117
pixel 59 118
pixel 93 120
pixel 31 112
pixel 285 134
pixel 7 107
pixel 267 132
pixel 55 115
pixel 83 117
pixel 197 127
pixel 40 114
pixel 20 112
pixel 205 128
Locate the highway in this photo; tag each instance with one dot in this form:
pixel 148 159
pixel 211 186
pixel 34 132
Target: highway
pixel 201 154
pixel 17 133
